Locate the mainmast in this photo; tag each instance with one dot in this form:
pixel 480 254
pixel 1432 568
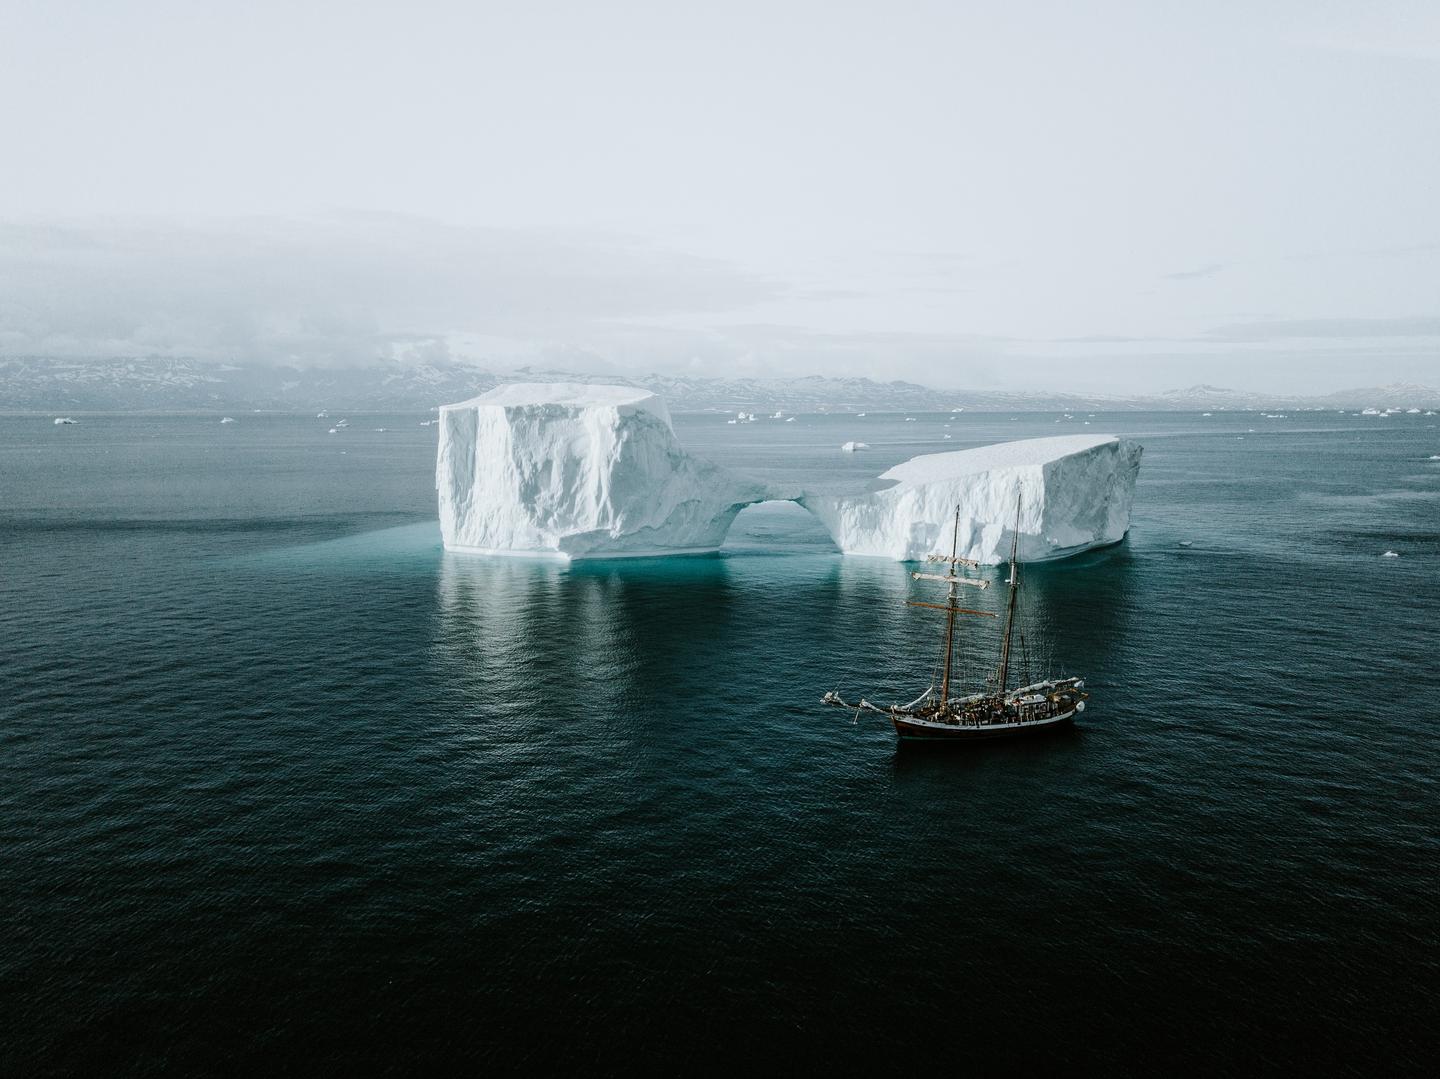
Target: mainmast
pixel 1010 612
pixel 950 612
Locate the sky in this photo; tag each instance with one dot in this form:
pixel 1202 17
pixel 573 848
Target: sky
pixel 1112 196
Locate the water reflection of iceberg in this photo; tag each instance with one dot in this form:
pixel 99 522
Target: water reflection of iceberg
pixel 586 646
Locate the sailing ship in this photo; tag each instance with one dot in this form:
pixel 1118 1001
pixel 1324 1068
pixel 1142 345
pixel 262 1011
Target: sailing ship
pixel 997 711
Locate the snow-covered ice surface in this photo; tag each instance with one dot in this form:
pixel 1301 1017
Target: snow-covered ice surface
pixel 1074 493
pixel 578 471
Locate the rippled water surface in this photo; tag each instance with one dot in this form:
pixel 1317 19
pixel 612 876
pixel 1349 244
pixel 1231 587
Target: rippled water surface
pixel 286 787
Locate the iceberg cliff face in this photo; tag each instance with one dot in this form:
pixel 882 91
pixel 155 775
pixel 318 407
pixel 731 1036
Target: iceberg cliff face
pixel 578 471
pixel 1074 493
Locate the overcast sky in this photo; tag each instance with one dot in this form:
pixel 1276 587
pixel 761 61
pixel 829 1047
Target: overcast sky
pixel 1108 195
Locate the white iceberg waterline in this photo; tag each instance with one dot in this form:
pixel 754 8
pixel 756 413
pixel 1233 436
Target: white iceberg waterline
pixel 580 471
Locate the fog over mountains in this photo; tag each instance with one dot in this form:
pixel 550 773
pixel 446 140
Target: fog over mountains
pixel 164 384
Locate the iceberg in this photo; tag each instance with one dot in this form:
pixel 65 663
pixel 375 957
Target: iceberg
pixel 851 447
pixel 1073 492
pixel 591 471
pixel 578 471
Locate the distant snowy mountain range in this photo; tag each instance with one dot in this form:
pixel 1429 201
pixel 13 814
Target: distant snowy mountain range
pixel 36 385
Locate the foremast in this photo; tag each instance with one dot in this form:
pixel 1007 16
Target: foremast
pixel 951 608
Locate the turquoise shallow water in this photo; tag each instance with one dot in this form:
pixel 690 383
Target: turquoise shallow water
pixel 285 786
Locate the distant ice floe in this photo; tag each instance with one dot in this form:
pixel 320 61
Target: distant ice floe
pixel 227 419
pixel 1391 554
pixel 333 431
pixel 323 414
pixel 851 447
pixel 64 420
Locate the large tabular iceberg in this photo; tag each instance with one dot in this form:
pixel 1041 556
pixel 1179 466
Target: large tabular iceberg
pixel 578 471
pixel 1073 493
pixel 596 471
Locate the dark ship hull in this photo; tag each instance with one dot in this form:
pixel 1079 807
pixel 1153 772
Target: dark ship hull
pixel 914 729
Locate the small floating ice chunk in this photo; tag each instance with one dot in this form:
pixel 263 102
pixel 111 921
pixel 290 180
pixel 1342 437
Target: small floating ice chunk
pixel 789 419
pixel 333 431
pixel 323 414
pixel 1186 543
pixel 380 429
pixel 64 419
pixel 227 419
pixel 851 447
pixel 909 419
pixel 1391 554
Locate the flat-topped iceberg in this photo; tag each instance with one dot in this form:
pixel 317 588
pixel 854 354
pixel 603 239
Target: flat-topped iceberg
pixel 1073 493
pixel 578 471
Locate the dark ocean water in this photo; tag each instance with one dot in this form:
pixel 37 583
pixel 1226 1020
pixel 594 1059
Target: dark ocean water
pixel 285 788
